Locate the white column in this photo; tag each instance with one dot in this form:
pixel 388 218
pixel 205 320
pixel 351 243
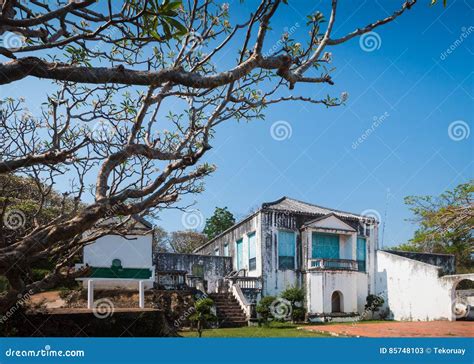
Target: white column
pixel 90 294
pixel 353 240
pixel 141 294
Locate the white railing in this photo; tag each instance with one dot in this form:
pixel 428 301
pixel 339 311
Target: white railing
pixel 246 282
pixel 245 305
pixel 333 264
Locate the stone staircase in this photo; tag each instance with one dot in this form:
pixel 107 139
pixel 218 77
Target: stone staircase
pixel 229 313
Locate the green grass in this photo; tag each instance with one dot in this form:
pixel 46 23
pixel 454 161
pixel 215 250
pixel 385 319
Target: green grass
pixel 274 330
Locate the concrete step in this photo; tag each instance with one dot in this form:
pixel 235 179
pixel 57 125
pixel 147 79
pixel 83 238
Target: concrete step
pixel 229 313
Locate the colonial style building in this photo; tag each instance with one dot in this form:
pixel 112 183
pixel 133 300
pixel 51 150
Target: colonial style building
pixel 293 243
pixel 334 255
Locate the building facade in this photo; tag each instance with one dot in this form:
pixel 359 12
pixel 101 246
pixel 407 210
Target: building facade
pixel 287 243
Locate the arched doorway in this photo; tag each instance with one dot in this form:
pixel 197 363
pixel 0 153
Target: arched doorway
pixel 463 300
pixel 336 302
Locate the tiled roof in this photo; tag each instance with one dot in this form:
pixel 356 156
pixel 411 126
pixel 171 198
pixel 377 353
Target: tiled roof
pixel 292 205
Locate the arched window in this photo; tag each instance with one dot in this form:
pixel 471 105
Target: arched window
pixel 463 308
pixel 336 302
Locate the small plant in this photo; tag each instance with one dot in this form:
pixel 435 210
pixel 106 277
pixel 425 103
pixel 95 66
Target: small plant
pixel 374 302
pixel 295 296
pixel 203 314
pixel 264 309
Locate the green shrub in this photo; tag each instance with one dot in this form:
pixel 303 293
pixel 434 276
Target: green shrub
pixel 3 284
pixel 374 302
pixel 263 309
pixel 37 274
pixel 295 296
pixel 203 313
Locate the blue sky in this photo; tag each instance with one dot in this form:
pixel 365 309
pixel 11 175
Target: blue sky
pixel 407 82
pixel 409 153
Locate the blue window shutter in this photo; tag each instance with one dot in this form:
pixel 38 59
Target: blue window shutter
pixel 252 252
pixel 325 246
pixel 240 251
pixel 361 253
pixel 286 249
pixel 252 246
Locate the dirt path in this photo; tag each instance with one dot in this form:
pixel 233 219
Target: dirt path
pixel 399 329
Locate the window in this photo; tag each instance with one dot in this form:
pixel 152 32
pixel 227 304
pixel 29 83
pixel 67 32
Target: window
pixel 216 251
pixel 252 252
pixel 361 254
pixel 325 246
pixel 286 249
pixel 226 249
pixel 198 270
pixel 239 249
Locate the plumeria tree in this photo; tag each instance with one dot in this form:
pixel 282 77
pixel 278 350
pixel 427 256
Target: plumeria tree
pixel 134 92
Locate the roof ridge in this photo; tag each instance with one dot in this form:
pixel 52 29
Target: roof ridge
pixel 312 204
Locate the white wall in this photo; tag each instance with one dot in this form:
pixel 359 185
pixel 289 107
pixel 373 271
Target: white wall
pixel 135 253
pixel 278 280
pixel 254 227
pixel 322 284
pixel 412 290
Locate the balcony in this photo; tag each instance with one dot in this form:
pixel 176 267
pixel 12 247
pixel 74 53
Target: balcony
pixel 336 264
pixel 246 282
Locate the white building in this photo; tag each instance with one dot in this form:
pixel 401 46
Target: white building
pixel 334 256
pixel 123 262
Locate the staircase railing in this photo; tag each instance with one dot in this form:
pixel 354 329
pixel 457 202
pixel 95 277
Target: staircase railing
pixel 236 281
pixel 246 282
pixel 243 303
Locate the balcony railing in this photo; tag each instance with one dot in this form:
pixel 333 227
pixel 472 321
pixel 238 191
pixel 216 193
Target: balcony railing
pixel 246 282
pixel 335 264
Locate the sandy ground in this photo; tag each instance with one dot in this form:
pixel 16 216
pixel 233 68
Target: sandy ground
pixel 399 329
